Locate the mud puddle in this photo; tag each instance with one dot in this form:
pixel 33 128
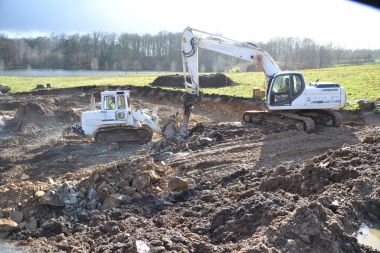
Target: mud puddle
pixel 369 236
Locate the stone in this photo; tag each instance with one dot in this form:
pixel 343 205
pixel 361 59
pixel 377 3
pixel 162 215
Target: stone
pixel 177 184
pixel 142 247
pixel 123 183
pixel 16 216
pixel 366 105
pixel 129 190
pixel 308 163
pixel 204 141
pixel 108 186
pixel 39 194
pixel 141 182
pixel 114 146
pixel 91 204
pixel 92 194
pixel 154 177
pixel 52 201
pixel 82 192
pixel 113 200
pixel 103 193
pixel 32 224
pixel 70 158
pixel 70 199
pixel 7 225
pixel 305 238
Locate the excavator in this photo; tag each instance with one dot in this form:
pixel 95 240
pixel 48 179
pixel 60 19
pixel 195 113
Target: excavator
pixel 288 98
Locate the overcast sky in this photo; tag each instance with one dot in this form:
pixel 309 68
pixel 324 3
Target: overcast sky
pixel 344 23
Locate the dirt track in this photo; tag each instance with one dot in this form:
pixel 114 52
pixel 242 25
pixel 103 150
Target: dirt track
pixel 229 188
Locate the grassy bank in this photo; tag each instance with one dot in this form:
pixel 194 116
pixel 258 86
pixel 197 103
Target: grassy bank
pixel 361 82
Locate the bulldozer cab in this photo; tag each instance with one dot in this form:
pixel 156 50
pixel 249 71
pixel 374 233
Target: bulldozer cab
pixel 284 88
pixel 115 105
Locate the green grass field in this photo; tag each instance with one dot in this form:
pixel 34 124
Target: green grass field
pixel 361 82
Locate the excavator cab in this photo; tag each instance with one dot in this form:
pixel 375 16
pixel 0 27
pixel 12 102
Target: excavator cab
pixel 284 88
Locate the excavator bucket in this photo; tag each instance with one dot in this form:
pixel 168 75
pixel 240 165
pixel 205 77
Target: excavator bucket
pixel 172 128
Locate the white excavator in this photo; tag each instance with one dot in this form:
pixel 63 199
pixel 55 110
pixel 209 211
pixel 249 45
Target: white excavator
pixel 288 98
pixel 117 121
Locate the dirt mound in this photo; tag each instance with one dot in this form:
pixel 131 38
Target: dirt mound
pixel 205 81
pixel 40 114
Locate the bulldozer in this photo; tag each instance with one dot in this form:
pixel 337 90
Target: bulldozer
pixel 118 121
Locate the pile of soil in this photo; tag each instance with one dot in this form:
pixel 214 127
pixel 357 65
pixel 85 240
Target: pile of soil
pixel 205 81
pixel 230 187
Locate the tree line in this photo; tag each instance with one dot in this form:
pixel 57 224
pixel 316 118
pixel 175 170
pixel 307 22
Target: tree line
pixel 160 52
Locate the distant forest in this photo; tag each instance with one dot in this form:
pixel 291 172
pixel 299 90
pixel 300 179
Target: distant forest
pixel 160 52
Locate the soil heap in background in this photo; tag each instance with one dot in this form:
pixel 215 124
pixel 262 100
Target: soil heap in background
pixel 205 81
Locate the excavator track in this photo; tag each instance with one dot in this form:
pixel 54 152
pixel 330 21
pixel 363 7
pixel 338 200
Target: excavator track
pixel 279 117
pixel 124 134
pixel 324 117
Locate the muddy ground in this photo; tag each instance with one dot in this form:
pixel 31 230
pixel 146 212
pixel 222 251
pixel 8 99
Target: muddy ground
pixel 230 187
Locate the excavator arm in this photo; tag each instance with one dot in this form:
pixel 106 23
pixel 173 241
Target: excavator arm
pixel 192 40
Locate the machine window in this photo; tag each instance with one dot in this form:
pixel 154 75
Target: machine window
pixel 297 85
pixel 120 102
pixel 109 103
pixel 280 88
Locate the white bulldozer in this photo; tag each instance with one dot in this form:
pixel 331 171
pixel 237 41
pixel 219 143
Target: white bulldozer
pixel 117 121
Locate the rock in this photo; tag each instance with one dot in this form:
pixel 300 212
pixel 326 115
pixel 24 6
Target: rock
pixel 204 141
pixel 39 194
pixel 91 204
pixel 4 89
pixel 70 158
pixel 305 238
pixel 114 146
pixel 103 193
pixel 308 163
pixel 141 182
pixel 16 216
pixel 177 184
pixel 32 224
pixel 40 86
pixel 129 190
pixel 7 225
pixel 92 194
pixel 142 247
pixel 366 105
pixel 52 201
pixel 108 186
pixel 70 199
pixel 154 177
pixel 368 139
pixel 82 192
pixel 123 183
pixel 113 200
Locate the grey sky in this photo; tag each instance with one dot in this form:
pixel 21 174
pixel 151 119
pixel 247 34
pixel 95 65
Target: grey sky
pixel 344 23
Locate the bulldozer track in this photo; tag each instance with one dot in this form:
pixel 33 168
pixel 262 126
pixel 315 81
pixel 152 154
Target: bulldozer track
pixel 124 134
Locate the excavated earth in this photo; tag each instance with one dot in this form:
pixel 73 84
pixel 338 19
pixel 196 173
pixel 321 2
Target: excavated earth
pixel 230 187
pixel 205 81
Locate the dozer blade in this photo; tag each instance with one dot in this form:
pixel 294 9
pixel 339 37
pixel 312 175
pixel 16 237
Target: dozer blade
pixel 172 128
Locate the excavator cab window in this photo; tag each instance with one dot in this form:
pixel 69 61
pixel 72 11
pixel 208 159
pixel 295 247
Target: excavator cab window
pixel 280 90
pixel 109 103
pixel 297 85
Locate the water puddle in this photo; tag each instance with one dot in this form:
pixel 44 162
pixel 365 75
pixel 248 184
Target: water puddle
pixel 369 236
